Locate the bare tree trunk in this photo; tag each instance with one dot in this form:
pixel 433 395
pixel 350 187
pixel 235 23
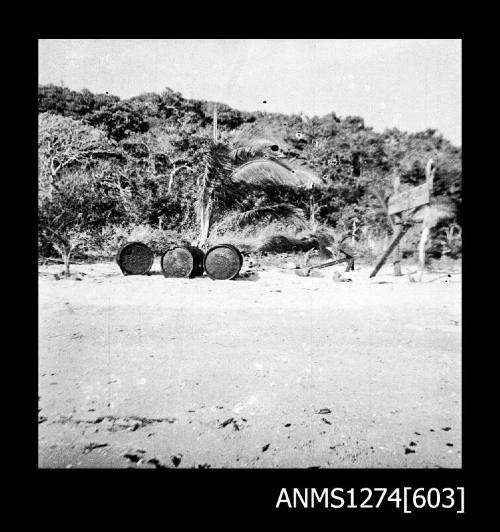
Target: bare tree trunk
pixel 205 214
pixel 173 172
pixel 65 252
pixel 66 258
pixel 430 170
pixel 421 252
pixel 64 248
pixel 397 252
pixel 205 219
pixel 312 207
pixel 353 234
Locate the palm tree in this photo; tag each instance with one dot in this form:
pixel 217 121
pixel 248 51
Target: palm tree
pixel 258 161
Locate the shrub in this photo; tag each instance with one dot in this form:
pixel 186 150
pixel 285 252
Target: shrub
pixel 111 238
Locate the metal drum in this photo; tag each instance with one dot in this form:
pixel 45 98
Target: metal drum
pixel 182 261
pixel 135 258
pixel 223 261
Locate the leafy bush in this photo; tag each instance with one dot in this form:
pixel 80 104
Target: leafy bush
pixel 111 238
pixel 111 166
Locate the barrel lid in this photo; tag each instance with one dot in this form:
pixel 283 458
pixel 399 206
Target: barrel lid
pixel 178 261
pixel 135 258
pixel 223 261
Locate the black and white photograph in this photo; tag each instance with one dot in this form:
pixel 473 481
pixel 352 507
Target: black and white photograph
pixel 250 254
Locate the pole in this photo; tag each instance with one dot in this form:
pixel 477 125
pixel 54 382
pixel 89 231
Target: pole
pixel 397 227
pixel 390 249
pixel 215 123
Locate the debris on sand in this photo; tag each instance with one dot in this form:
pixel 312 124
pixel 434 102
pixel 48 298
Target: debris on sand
pixel 308 273
pixel 266 447
pixel 249 273
pixel 326 421
pixel 324 411
pixel 93 445
pixel 446 429
pixel 176 459
pixel 226 423
pixel 412 444
pixel 237 424
pixel 338 278
pixel 204 466
pixel 157 463
pixel 288 425
pixel 408 451
pixel 134 458
pixel 131 423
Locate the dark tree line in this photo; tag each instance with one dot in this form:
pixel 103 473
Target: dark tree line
pixel 140 161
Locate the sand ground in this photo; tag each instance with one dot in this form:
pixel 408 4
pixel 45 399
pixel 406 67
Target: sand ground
pixel 274 370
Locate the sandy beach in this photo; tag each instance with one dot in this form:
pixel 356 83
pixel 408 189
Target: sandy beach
pixel 268 371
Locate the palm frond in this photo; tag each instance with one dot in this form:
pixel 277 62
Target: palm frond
pixel 217 164
pixel 266 172
pixel 248 151
pixel 256 134
pixel 438 211
pixel 282 211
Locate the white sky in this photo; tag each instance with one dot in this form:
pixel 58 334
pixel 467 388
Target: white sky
pixel 410 84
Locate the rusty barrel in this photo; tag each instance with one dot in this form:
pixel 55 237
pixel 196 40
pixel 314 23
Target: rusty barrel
pixel 135 258
pixel 223 261
pixel 182 261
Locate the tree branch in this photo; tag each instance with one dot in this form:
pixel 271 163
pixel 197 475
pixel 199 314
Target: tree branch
pixel 174 171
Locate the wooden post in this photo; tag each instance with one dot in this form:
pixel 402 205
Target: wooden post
pixel 215 123
pixel 399 203
pixel 349 258
pixel 396 227
pixel 390 249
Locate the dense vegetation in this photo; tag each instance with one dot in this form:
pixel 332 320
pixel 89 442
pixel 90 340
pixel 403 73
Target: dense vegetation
pixel 111 169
